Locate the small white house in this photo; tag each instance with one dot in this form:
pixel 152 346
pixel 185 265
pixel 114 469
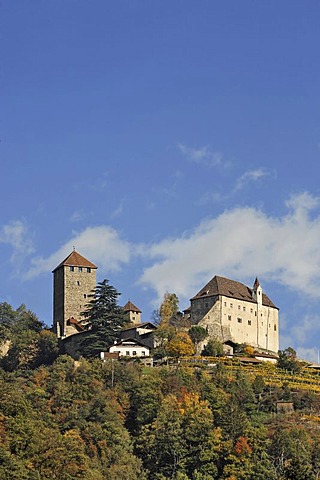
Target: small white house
pixel 130 347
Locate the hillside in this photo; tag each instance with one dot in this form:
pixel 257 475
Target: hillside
pixel 197 418
pixel 113 420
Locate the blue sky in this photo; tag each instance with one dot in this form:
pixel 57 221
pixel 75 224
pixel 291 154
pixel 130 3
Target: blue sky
pixel 168 141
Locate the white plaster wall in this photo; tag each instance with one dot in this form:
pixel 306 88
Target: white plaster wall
pixel 122 349
pixel 240 321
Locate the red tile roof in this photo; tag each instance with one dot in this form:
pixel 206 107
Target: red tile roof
pixel 230 288
pixel 75 260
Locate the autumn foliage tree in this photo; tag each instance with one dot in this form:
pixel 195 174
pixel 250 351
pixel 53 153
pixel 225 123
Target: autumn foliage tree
pixel 180 345
pixel 168 308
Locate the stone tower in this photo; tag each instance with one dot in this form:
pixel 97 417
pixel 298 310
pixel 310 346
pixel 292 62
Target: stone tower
pixel 73 280
pixel 133 313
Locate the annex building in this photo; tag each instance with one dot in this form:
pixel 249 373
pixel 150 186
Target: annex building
pixel 233 312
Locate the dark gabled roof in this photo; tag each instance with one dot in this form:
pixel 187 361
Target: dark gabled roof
pixel 230 288
pixel 130 307
pixel 74 259
pixel 139 325
pixel 131 340
pixel 256 283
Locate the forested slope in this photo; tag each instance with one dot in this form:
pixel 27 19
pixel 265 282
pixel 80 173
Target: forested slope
pixel 94 420
pixel 196 419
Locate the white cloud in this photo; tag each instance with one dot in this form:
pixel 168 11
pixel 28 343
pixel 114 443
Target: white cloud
pixel 203 156
pixel 102 245
pixel 77 216
pixel 16 234
pixel 241 244
pixel 119 210
pixel 311 354
pixel 307 327
pixel 250 176
pixel 97 183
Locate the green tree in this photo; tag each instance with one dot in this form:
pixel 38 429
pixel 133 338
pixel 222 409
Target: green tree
pixel 197 335
pixel 288 360
pixel 105 319
pixel 291 449
pixel 214 348
pixel 163 335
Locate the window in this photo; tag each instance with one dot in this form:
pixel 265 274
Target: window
pixel 244 309
pixel 225 304
pixel 133 318
pixel 80 269
pixel 275 328
pixel 255 314
pixel 128 354
pixel 249 322
pixel 78 283
pixel 134 352
pixel 239 307
pixel 88 270
pixel 229 317
pixel 239 320
pixel 71 269
pixel 251 310
pixel 206 305
pixel 143 353
pixel 231 305
pixel 84 295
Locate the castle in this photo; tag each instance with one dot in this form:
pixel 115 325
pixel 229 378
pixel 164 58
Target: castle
pixel 227 309
pixel 233 312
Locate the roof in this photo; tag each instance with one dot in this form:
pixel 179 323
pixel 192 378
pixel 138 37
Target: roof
pixel 130 307
pixel 73 321
pixel 140 325
pixel 128 342
pixel 75 260
pixel 256 283
pixel 232 289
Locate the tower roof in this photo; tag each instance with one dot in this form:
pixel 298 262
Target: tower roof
pixel 230 288
pixel 256 283
pixel 75 260
pixel 130 307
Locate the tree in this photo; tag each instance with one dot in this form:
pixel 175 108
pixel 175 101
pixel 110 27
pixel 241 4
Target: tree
pixel 180 345
pixel 291 453
pixel 14 322
pixel 288 360
pixel 168 308
pixel 248 350
pixel 197 335
pixel 105 319
pixel 214 348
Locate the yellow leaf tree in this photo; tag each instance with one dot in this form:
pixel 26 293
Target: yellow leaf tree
pixel 180 345
pixel 168 308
